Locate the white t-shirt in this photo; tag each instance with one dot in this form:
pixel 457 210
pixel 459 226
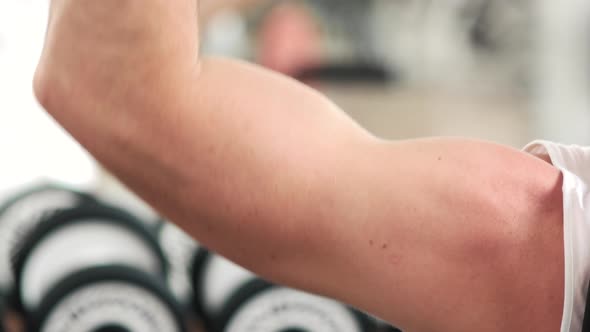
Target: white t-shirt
pixel 574 163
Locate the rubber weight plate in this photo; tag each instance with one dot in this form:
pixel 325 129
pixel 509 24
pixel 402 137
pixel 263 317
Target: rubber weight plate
pixel 196 272
pixel 180 250
pixel 21 212
pixel 385 326
pixel 261 307
pixel 215 281
pixel 108 299
pixel 79 238
pixel 233 299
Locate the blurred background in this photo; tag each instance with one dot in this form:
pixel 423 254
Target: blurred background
pixel 503 70
pixel 508 71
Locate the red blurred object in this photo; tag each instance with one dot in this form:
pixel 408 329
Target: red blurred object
pixel 289 39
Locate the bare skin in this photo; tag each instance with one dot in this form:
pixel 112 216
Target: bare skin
pixel 434 235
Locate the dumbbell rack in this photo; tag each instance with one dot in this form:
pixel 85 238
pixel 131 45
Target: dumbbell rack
pixel 172 286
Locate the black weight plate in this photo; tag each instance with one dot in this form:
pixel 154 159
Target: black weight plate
pixel 385 326
pixel 22 211
pixel 258 288
pixel 215 279
pixel 201 257
pixel 64 218
pixel 179 249
pixel 108 297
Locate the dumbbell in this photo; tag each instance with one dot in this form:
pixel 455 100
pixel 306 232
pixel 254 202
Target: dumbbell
pixel 233 299
pixel 76 239
pixel 22 211
pixel 179 249
pixel 111 191
pixel 384 326
pixel 108 299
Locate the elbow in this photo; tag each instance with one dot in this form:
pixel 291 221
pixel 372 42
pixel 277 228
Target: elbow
pixel 50 93
pixel 42 89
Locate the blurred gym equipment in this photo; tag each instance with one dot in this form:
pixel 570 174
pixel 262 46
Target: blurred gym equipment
pixel 179 249
pixel 72 240
pixel 561 83
pixel 383 326
pixel 586 321
pixel 23 211
pixel 108 299
pixel 289 39
pixel 233 299
pixel 309 40
pixel 260 306
pixel 111 191
pixel 480 45
pixel 2 327
pixel 390 329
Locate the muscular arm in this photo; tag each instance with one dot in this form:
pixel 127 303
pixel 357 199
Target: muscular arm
pixel 274 176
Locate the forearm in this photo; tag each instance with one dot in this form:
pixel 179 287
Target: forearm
pixel 219 142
